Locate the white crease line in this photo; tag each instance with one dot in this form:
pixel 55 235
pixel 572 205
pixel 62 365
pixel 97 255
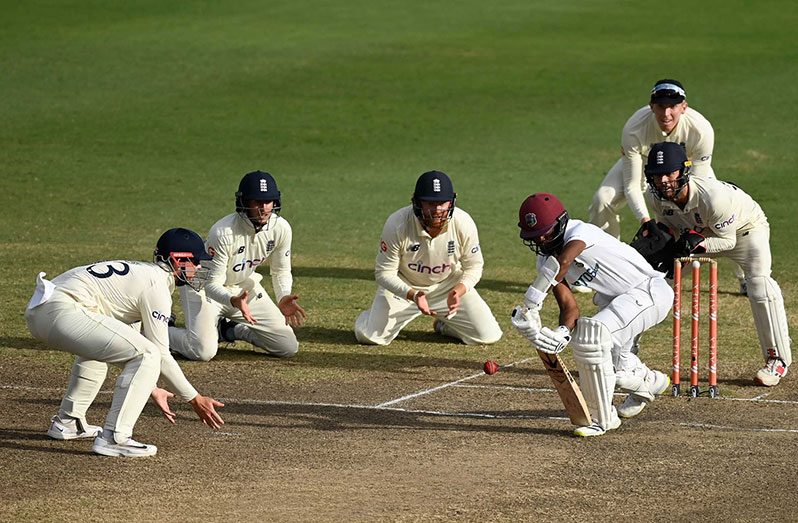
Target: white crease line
pixel 446 385
pixel 522 389
pixel 734 429
pixel 481 415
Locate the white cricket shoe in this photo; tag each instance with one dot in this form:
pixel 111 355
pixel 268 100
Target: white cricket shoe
pixel 743 288
pixel 72 429
pixel 597 430
pixel 634 404
pixel 771 373
pixel 129 449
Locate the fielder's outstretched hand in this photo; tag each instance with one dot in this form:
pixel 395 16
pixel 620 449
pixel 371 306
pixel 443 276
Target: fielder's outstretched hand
pixel 205 407
pixel 294 314
pixel 240 303
pixel 161 398
pixel 526 321
pixel 421 302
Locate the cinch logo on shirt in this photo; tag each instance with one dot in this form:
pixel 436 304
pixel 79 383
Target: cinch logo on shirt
pixel 248 264
pixel 160 317
pixel 437 269
pixel 725 223
pixel 587 276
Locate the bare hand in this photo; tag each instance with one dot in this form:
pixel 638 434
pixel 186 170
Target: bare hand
pixel 453 302
pixel 205 407
pixel 421 302
pixel 161 398
pixel 294 314
pixel 240 303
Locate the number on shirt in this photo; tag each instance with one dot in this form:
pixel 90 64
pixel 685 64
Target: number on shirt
pixel 111 270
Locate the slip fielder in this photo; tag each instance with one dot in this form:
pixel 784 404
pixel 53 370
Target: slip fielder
pixel 428 262
pixel 88 311
pixel 234 305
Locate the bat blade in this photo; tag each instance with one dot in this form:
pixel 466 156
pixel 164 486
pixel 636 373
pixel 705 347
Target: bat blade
pixel 567 388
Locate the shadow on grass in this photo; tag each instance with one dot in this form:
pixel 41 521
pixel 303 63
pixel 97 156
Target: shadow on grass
pixel 341 419
pixel 347 273
pixel 10 439
pixel 20 342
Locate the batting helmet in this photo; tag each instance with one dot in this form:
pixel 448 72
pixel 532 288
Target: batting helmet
pixel 542 220
pixel 433 186
pixel 663 159
pixel 179 248
pixel 257 185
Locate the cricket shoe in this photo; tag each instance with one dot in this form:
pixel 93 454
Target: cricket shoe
pixel 227 330
pixel 771 373
pixel 72 429
pixel 634 404
pixel 595 429
pixel 129 449
pixel 437 326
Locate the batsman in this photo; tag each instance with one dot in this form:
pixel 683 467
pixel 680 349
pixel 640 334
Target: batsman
pixel 632 297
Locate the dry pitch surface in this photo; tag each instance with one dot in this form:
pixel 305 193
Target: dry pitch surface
pixel 431 440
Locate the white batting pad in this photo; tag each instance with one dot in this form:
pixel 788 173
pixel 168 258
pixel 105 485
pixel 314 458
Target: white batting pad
pixel 767 305
pixel 592 346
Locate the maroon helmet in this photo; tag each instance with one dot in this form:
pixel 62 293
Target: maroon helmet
pixel 542 219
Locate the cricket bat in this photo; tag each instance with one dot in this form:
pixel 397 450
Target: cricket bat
pixel 567 388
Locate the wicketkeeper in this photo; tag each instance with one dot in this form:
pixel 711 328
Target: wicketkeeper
pixel 714 218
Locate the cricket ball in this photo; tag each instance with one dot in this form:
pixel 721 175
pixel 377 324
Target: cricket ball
pixel 490 367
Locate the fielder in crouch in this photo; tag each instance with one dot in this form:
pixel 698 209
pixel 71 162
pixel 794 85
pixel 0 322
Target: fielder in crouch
pixel 88 311
pixel 428 262
pixel 632 297
pixel 666 118
pixel 715 218
pixel 234 301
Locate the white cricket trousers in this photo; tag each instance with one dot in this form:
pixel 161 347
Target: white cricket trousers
pixel 631 314
pixel 473 324
pixel 200 339
pixel 97 340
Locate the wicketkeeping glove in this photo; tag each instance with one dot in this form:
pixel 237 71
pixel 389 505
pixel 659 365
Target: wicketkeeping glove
pixel 526 321
pixel 552 341
pixel 690 242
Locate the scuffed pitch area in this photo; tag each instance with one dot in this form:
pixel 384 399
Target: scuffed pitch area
pixel 464 446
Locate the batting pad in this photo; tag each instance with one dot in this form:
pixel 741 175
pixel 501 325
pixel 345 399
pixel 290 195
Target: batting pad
pixel 767 305
pixel 592 346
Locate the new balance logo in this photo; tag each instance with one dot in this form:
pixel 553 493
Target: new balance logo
pixel 436 185
pixel 264 187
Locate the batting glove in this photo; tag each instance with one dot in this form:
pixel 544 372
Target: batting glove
pixel 552 341
pixel 526 321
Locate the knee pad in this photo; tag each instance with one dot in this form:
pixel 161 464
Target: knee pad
pixel 770 318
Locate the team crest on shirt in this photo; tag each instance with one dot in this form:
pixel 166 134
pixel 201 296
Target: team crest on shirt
pixel 698 219
pixel 270 246
pixel 450 247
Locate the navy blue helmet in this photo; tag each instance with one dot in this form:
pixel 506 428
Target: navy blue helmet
pixel 433 186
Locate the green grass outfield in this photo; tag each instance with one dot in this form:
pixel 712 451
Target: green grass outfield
pixel 122 119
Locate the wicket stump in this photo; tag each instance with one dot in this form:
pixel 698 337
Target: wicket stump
pixel 696 310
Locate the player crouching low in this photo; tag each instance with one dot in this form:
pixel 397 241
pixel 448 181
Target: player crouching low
pixel 632 297
pixel 89 311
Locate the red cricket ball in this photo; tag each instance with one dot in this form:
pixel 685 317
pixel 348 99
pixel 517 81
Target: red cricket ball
pixel 490 367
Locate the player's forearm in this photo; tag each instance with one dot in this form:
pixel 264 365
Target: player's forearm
pixel 175 379
pixel 282 282
pixel 720 244
pixel 393 283
pixel 218 293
